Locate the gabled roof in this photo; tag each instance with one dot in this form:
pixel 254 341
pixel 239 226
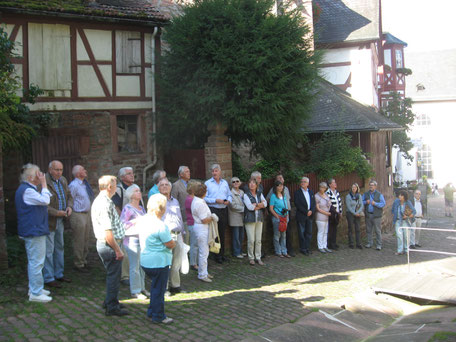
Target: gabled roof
pixel 390 39
pixel 138 11
pixel 335 110
pixel 347 21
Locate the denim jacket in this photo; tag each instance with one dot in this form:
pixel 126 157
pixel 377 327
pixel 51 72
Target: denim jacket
pixel 396 205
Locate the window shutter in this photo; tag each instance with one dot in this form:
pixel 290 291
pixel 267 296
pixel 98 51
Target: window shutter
pixel 128 52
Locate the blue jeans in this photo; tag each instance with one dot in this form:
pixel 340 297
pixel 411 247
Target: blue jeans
pixel 193 247
pixel 401 235
pixel 238 239
pixel 35 246
pixel 304 233
pixel 159 280
pixel 53 265
pixel 280 238
pixel 135 270
pixel 113 270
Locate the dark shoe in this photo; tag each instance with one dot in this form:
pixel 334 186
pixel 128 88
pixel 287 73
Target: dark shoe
pixel 219 260
pixel 116 312
pixel 292 254
pixel 63 280
pixel 417 245
pixel 167 320
pixel 224 259
pixel 303 252
pixel 337 246
pixel 351 247
pixel 359 247
pixel 121 306
pixel 125 282
pixel 194 268
pixel 81 269
pixel 53 284
pixel 412 247
pixel 175 290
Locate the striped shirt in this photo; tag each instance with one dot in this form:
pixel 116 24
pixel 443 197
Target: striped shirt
pixel 336 201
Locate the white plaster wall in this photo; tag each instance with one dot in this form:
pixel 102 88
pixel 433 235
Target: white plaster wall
pixel 18 46
pixel 337 55
pixel 128 86
pixel 362 89
pixel 101 44
pixel 88 84
pixel 106 71
pixel 81 52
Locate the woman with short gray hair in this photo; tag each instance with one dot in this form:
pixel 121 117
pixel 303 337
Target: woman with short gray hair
pixel 130 212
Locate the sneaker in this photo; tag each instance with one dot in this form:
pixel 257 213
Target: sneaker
pixel 167 320
pixel 116 312
pixel 43 291
pixel 240 256
pixel 206 280
pixel 378 248
pixel 244 254
pixel 261 263
pixel 321 250
pixel 210 276
pixel 412 247
pixel 368 246
pixel 417 245
pixel 145 293
pixel 139 296
pixel 252 262
pixel 42 298
pixel 287 256
pixel 359 246
pixel 328 250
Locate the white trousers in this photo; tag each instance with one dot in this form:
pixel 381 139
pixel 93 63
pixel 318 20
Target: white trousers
pixel 202 237
pixel 254 231
pixel 174 272
pixel 322 235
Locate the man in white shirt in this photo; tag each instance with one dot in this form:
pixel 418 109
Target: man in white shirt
pixel 420 209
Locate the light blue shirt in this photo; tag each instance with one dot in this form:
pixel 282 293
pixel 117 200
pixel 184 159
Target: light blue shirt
pixel 279 204
pixel 215 191
pixel 381 204
pixel 153 234
pixel 153 191
pixel 80 196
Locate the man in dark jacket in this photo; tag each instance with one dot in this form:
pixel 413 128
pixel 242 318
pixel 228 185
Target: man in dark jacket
pixel 304 200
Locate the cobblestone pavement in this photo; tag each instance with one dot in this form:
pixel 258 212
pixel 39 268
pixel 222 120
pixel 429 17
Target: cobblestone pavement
pixel 241 302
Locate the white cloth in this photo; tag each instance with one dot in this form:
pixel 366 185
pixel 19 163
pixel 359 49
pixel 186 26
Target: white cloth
pixel 322 235
pixel 202 234
pixel 33 197
pixel 200 210
pixel 254 231
pixel 306 196
pixel 418 208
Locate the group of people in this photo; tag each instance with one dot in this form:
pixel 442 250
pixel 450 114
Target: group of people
pixel 134 240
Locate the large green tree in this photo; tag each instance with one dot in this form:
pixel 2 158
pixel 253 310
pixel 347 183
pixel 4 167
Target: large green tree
pixel 237 63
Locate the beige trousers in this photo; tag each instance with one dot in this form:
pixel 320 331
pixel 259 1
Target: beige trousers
pixel 80 225
pixel 254 231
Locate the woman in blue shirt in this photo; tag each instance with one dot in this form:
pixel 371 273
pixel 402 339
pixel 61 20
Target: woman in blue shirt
pixel 403 215
pixel 156 255
pixel 278 208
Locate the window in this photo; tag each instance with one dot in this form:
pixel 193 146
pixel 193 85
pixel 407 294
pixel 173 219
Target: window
pixel 127 133
pixel 423 120
pixel 128 52
pixel 399 63
pixel 424 162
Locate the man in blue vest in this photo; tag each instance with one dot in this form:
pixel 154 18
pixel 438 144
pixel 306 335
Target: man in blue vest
pixel 33 228
pixel 374 202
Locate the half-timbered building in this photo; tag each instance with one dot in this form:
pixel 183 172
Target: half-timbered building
pixel 95 62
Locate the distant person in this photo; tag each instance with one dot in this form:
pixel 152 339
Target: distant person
pixel 304 201
pixel 336 202
pixel 355 208
pixel 157 177
pixel 193 253
pixel 374 202
pixel 33 228
pixel 278 206
pixel 236 217
pixel 323 205
pixel 448 192
pixel 403 214
pixel 179 192
pixel 420 208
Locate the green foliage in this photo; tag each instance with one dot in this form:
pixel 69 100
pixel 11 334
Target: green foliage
pixel 443 336
pixel 333 155
pixel 235 62
pixel 16 124
pixel 399 110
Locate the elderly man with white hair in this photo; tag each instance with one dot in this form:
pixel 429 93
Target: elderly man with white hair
pixel 109 232
pixel 32 227
pixel 218 198
pixel 59 207
pixel 173 220
pixel 83 197
pixel 157 177
pixel 179 191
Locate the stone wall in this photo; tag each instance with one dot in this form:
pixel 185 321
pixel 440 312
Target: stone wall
pixel 217 150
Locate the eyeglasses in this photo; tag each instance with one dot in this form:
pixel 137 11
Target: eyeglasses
pixel 236 181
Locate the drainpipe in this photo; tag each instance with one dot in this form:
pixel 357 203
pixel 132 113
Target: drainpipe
pixel 154 120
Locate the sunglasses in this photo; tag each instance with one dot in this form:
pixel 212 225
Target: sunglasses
pixel 236 181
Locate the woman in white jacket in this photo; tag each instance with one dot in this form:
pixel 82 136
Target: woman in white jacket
pixel 236 217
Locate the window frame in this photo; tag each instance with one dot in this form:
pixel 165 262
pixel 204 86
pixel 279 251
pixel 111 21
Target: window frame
pixel 140 129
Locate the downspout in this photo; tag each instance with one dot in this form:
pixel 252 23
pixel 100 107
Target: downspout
pixel 154 120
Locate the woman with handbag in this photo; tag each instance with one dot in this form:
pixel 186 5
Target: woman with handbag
pixel 253 219
pixel 279 210
pixel 403 215
pixel 355 207
pixel 202 217
pixel 323 204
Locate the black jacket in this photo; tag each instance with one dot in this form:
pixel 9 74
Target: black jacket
pixel 301 204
